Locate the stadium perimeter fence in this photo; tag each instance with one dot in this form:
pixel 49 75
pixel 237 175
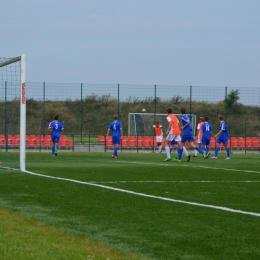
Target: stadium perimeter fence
pixel 87 109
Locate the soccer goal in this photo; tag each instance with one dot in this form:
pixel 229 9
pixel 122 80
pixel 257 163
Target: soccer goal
pixel 13 111
pixel 138 123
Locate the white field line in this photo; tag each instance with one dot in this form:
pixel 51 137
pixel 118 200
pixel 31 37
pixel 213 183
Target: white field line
pixel 149 196
pixel 225 169
pixel 8 168
pixel 188 165
pixel 114 182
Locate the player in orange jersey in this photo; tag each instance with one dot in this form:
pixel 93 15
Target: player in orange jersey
pixel 173 132
pixel 159 135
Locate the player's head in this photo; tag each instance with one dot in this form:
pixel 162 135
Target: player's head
pixel 183 110
pixel 56 117
pixel 157 123
pixel 202 119
pixel 206 118
pixel 115 117
pixel 220 117
pixel 169 110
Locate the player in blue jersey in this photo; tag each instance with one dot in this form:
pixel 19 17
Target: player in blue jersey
pixel 117 132
pixel 222 137
pixel 55 128
pixel 206 134
pixel 187 134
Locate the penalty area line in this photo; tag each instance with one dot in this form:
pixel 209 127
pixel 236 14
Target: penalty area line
pixel 147 195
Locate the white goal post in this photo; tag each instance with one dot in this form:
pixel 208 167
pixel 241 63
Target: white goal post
pixel 138 123
pixel 13 76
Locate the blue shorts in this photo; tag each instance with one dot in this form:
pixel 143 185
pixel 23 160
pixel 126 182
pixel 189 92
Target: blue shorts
pixel 205 141
pixel 188 138
pixel 173 142
pixel 222 140
pixel 116 140
pixel 55 139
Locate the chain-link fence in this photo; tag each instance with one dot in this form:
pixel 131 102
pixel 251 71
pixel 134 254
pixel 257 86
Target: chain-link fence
pixel 87 109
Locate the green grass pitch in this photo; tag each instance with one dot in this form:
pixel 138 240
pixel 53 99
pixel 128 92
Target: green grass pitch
pixel 139 204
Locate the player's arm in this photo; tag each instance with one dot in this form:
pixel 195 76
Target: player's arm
pixel 187 123
pixel 219 132
pixel 168 128
pixel 49 128
pixel 121 131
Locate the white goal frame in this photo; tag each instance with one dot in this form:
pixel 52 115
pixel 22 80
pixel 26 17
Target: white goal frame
pixel 193 119
pixel 22 60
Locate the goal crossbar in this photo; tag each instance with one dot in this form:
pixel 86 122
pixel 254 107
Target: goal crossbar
pixel 10 61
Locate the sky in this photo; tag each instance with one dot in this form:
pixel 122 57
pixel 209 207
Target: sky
pixel 148 42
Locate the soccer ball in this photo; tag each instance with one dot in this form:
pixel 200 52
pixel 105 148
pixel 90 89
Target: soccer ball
pixel 143 110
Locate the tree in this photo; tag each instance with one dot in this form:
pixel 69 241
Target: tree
pixel 231 100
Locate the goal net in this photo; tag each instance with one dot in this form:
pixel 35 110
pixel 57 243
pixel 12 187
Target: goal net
pixel 13 112
pixel 138 123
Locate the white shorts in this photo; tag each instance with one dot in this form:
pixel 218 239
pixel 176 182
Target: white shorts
pixel 171 137
pixel 159 138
